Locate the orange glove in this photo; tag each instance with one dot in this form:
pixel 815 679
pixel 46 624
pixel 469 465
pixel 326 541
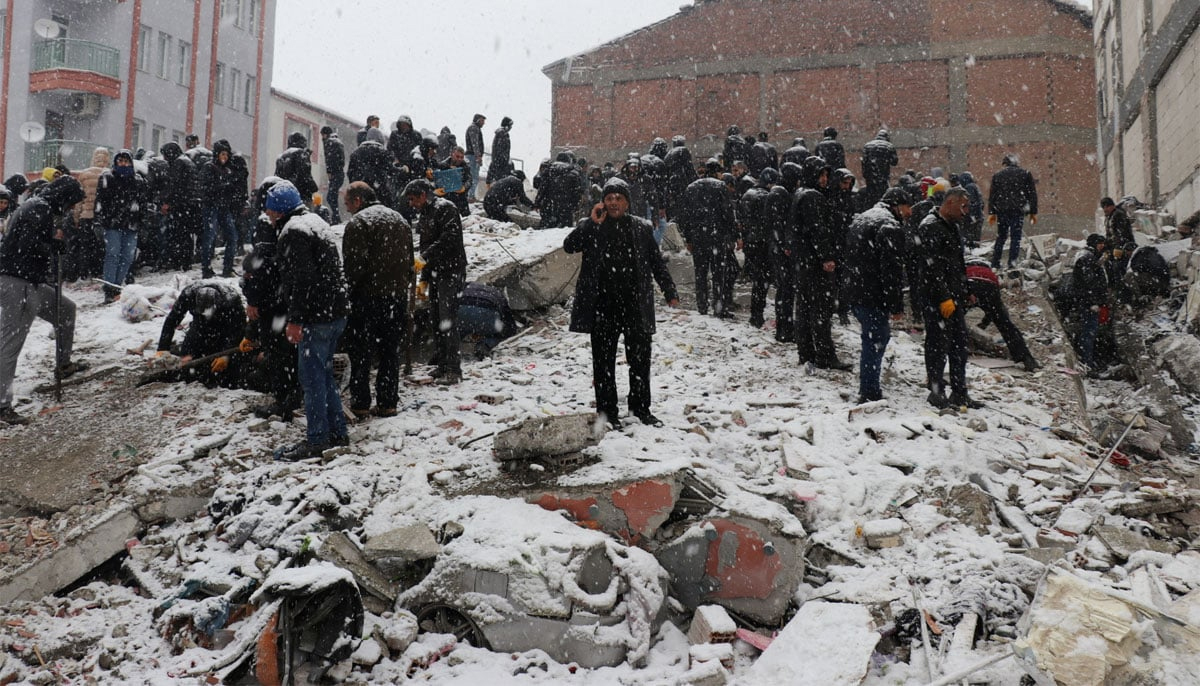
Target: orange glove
pixel 246 345
pixel 947 308
pixel 991 219
pixel 1033 219
pixel 219 365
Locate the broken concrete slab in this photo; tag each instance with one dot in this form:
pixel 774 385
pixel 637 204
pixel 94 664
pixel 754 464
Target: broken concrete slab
pixel 711 624
pixel 825 644
pixel 408 544
pixel 1124 543
pixel 80 552
pixel 1074 521
pixel 1180 355
pixel 546 437
pixel 547 280
pixel 378 592
pixel 969 505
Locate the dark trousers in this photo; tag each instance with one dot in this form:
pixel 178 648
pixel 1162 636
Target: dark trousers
pixel 279 361
pixel 876 332
pixel 1007 224
pixel 335 187
pixel 376 329
pixel 946 339
pixel 814 315
pixel 709 261
pixel 758 268
pixel 86 251
pixel 987 297
pixel 605 334
pixel 445 292
pixel 1090 322
pixel 785 298
pixel 182 226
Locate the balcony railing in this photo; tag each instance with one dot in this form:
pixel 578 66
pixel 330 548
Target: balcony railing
pixel 51 152
pixel 81 55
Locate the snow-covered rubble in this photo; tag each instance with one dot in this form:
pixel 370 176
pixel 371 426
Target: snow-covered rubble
pixel 964 508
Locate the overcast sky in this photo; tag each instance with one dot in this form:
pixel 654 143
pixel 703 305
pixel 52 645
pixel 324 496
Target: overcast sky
pixel 442 62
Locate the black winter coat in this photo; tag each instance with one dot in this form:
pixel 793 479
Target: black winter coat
pixel 507 191
pixel 596 242
pixel 831 150
pixel 219 331
pixel 762 155
pixel 706 217
pixel 121 202
pixel 474 141
pixel 654 178
pixel 181 190
pixel 967 181
pixel 294 165
pixel 311 270
pixel 872 267
pixel 795 154
pixel 28 246
pixel 372 164
pixel 441 232
pixel 400 144
pixel 817 240
pixel 878 158
pixel 943 268
pixel 501 155
pixel 262 284
pixel 756 231
pixel 736 150
pixel 680 169
pixel 777 215
pixel 335 157
pixel 1119 229
pixel 1089 282
pixel 1013 192
pixel 222 187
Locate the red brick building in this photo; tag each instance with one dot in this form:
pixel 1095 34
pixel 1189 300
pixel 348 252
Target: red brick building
pixel 957 82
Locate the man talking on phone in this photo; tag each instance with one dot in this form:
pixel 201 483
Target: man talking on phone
pixel 614 297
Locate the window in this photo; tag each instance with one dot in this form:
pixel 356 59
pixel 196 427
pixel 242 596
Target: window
pixel 235 87
pixel 238 16
pixel 231 8
pixel 252 14
pixel 179 137
pixel 219 84
pixel 248 100
pixel 135 134
pixel 183 74
pixel 158 138
pixel 144 48
pixel 162 67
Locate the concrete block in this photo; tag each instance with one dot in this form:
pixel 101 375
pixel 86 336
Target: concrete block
pixel 179 503
pixel 705 674
pixel 545 437
pixel 711 624
pixel 1074 521
pixel 825 644
pixel 378 592
pixel 711 652
pixel 1123 543
pixel 409 544
pixel 548 280
pixel 78 555
pixel 883 533
pixel 1180 355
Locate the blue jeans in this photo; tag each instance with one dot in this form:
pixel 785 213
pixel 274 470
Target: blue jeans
pixel 1008 224
pixel 322 402
pixel 876 332
pixel 222 217
pixel 1087 337
pixel 119 248
pixel 473 163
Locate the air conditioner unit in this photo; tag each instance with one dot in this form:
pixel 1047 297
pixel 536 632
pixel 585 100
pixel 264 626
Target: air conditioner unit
pixel 85 105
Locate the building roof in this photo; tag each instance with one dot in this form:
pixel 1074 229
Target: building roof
pixel 1083 14
pixel 323 111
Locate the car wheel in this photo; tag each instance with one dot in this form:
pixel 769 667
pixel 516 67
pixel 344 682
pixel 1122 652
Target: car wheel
pixel 443 619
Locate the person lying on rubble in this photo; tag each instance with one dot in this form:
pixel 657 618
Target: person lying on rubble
pixel 217 325
pixel 1147 276
pixel 984 288
pixel 485 317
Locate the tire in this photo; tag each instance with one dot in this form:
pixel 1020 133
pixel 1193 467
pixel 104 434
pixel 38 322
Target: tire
pixel 444 619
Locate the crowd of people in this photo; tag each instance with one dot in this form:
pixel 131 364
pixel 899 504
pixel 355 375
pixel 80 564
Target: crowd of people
pixel 803 225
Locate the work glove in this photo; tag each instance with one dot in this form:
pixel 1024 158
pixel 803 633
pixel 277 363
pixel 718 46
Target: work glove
pixel 423 290
pixel 947 308
pixel 246 345
pixel 1033 219
pixel 991 219
pixel 219 365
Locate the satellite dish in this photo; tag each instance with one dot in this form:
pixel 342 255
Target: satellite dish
pixel 32 132
pixel 47 28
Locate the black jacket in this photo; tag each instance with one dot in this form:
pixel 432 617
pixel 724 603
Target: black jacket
pixel 294 165
pixel 706 217
pixel 262 284
pixel 795 154
pixel 872 266
pixel 654 177
pixel 762 155
pixel 680 169
pixel 180 189
pixel 222 185
pixel 596 242
pixel 967 181
pixel 943 269
pixel 210 332
pixel 1089 282
pixel 1013 192
pixel 501 155
pixel 400 143
pixel 507 191
pixel 122 202
pixel 371 163
pixel 1119 229
pixel 817 240
pixel 878 158
pixel 310 270
pixel 335 157
pixel 378 250
pixel 440 229
pixel 560 188
pixel 756 231
pixel 28 246
pixel 831 150
pixel 736 150
pixel 474 141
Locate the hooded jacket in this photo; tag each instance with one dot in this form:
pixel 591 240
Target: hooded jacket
pixel 446 143
pixel 371 163
pixel 223 186
pixel 706 217
pixel 403 139
pixel 878 158
pixel 762 155
pixel 873 261
pixel 335 157
pixel 179 189
pixel 501 154
pixel 507 191
pixel 310 269
pixel 817 240
pixel 28 245
pixel 294 165
pixel 122 201
pixel 378 251
pixel 89 178
pixel 440 229
pixel 736 148
pixel 831 150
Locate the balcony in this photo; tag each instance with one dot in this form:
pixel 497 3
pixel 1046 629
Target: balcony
pixel 51 152
pixel 75 65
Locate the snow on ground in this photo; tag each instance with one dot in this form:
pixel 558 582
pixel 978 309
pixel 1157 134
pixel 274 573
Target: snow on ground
pixel 737 409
